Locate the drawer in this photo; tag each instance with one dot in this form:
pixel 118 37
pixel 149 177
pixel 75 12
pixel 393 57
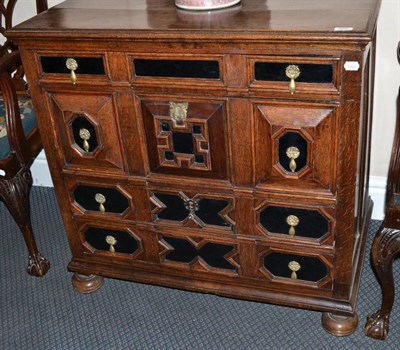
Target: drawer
pixel 88 130
pixel 291 268
pixel 73 68
pixel 294 222
pixel 296 144
pixel 101 199
pixel 178 69
pixel 191 253
pixel 295 74
pixel 186 138
pixel 109 199
pixel 108 241
pixel 187 208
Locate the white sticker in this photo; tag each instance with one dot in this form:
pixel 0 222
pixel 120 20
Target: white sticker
pixel 2 172
pixel 343 29
pixel 352 66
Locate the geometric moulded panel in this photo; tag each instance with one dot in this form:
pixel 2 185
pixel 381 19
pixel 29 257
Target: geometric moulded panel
pixel 203 211
pixel 213 254
pixel 294 222
pixel 113 241
pixel 292 152
pixel 101 199
pixel 185 138
pixel 295 267
pixel 84 133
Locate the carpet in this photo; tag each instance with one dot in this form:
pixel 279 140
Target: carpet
pixel 47 313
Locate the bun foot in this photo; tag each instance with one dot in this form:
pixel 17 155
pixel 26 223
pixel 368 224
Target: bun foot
pixel 37 265
pixel 338 325
pixel 86 284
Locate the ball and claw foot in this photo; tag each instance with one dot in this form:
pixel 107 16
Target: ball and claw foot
pixel 86 284
pixel 377 326
pixel 37 265
pixel 338 325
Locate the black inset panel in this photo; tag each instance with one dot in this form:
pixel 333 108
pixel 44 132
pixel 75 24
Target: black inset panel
pixel 197 129
pixel 310 73
pixel 183 142
pixel 79 123
pixel 311 222
pixel 292 139
pixel 212 253
pixel 115 201
pixel 209 209
pixel 175 207
pixel 96 237
pixel 312 269
pixel 86 65
pixel 177 68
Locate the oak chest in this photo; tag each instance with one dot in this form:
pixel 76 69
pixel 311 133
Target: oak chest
pixel 223 152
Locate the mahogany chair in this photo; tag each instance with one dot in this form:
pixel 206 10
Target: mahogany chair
pixel 20 141
pixel 386 245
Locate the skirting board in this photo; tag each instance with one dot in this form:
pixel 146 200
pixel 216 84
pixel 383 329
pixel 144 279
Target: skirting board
pixel 377 188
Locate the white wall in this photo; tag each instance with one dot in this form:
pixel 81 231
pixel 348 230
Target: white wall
pixel 387 82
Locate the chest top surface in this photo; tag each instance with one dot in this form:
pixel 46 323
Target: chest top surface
pixel 268 19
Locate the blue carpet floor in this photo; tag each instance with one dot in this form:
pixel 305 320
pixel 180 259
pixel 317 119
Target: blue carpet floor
pixel 46 313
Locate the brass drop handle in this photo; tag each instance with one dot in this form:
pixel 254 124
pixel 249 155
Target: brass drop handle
pixel 294 266
pixel 293 153
pixel 292 72
pixel 72 65
pixel 292 221
pixel 101 199
pixel 84 134
pixel 111 241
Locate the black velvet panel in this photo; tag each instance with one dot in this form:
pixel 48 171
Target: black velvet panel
pixel 311 225
pixel 165 127
pixel 115 201
pixel 175 208
pixel 177 68
pixel 79 123
pixel 312 269
pixel 209 209
pixel 292 139
pixel 86 65
pixel 183 142
pixel 197 129
pixel 96 237
pixel 310 73
pixel 212 253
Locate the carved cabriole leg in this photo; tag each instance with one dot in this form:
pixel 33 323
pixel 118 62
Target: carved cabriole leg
pixel 338 325
pixel 385 247
pixel 86 284
pixel 15 194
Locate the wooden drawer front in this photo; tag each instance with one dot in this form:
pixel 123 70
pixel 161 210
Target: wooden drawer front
pixel 185 137
pixel 192 210
pixel 88 130
pixel 177 68
pixel 296 268
pixel 101 199
pixel 78 64
pixel 111 241
pixel 295 74
pixel 294 222
pixel 296 142
pixel 195 253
